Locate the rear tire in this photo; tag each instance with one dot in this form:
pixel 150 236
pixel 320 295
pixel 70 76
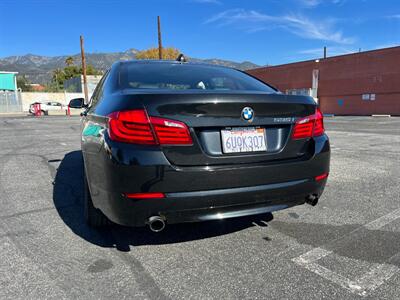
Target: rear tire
pixel 93 216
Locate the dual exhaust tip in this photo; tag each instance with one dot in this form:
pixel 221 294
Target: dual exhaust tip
pixel 156 223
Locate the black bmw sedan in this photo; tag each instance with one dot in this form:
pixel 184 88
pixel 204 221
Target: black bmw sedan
pixel 167 142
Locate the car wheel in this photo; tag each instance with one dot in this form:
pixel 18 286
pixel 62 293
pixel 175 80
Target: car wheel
pixel 45 113
pixel 93 216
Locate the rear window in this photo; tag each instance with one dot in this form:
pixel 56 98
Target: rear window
pixel 175 76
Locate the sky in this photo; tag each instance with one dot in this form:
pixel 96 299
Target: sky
pixel 266 32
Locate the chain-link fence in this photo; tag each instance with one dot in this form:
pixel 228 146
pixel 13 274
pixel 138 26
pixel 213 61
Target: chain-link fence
pixel 10 101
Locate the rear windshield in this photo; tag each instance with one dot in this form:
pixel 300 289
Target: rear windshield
pixel 176 76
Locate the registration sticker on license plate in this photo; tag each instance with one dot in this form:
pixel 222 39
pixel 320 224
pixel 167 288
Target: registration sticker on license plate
pixel 243 139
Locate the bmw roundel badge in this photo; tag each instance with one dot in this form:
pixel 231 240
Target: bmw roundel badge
pixel 248 114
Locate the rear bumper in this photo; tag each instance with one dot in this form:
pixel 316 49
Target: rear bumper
pixel 198 193
pixel 236 202
pixel 212 204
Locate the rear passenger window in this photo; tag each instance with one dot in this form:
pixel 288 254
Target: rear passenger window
pixel 222 83
pixel 175 76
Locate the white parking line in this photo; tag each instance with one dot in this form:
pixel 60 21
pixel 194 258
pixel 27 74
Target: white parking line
pixel 324 272
pixel 313 255
pixel 384 220
pixel 378 274
pixel 376 277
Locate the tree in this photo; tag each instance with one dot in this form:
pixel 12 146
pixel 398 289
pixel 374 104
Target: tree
pixel 57 81
pixel 51 88
pixel 90 70
pixel 152 53
pixel 23 84
pixel 71 71
pixel 69 61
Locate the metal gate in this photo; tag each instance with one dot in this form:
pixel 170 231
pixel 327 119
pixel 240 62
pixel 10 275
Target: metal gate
pixel 10 101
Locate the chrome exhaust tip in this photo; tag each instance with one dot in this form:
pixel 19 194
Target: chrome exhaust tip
pixel 156 223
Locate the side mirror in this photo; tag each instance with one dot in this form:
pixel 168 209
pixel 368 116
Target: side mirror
pixel 77 103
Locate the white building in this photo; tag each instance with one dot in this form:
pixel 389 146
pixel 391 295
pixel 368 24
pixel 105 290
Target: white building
pixel 75 85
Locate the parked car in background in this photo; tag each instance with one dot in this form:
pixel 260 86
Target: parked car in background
pixel 45 107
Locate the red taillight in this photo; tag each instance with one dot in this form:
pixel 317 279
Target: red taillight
pixel 145 195
pixel 320 177
pixel 319 123
pixel 303 128
pixel 309 126
pixel 136 127
pixel 130 127
pixel 171 132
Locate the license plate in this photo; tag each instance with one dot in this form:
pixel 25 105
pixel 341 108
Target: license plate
pixel 244 139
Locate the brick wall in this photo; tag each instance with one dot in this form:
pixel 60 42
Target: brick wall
pixel 343 80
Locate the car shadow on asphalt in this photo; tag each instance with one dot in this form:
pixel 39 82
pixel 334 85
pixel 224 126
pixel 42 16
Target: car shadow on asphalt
pixel 68 200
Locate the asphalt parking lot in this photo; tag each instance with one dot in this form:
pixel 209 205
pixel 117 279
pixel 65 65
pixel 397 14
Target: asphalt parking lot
pixel 347 247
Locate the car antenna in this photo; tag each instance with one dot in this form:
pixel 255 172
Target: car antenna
pixel 181 58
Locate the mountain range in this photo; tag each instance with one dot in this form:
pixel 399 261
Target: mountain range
pixel 38 68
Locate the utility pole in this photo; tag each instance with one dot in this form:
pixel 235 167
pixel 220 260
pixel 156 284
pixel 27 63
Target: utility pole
pixel 324 52
pixel 160 56
pixel 84 72
pixel 57 84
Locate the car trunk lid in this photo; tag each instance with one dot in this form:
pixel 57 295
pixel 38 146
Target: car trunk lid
pixel 208 114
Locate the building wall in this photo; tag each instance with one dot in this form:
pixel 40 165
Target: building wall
pixel 28 98
pixel 343 80
pixel 37 87
pixel 75 85
pixel 92 81
pixel 7 81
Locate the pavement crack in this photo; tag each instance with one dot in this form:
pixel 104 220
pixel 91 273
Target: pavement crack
pixel 143 278
pixel 33 211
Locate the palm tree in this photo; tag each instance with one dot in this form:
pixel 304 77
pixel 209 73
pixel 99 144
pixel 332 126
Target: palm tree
pixel 69 61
